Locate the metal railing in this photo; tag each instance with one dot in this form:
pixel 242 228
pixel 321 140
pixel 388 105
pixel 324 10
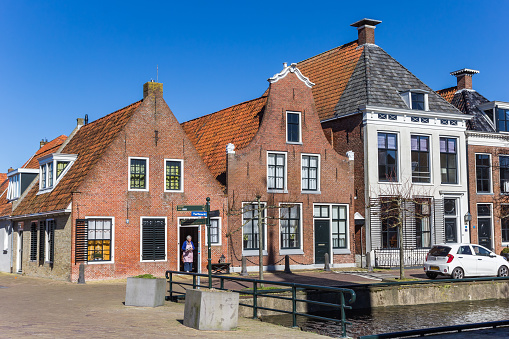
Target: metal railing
pixel 385 257
pixel 257 291
pixel 433 330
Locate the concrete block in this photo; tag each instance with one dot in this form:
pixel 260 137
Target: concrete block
pixel 145 292
pixel 211 310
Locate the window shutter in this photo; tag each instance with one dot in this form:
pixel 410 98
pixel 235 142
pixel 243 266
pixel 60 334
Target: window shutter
pixel 438 225
pixel 42 233
pixel 153 246
pixel 81 244
pixel 33 241
pixel 51 234
pixel 409 224
pixel 375 224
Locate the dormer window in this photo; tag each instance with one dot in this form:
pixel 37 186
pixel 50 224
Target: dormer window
pixel 52 168
pixel 19 180
pixel 498 114
pixel 416 99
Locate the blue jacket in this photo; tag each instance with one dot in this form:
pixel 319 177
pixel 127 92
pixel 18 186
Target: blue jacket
pixel 185 244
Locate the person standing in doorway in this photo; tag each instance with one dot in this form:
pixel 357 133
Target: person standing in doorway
pixel 187 256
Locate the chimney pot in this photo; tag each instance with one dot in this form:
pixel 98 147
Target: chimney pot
pixel 464 78
pixel 43 142
pixel 366 30
pixel 151 88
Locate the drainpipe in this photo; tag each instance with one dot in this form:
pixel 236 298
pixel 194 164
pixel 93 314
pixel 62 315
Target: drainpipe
pixel 12 246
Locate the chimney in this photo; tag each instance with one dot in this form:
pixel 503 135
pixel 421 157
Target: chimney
pixel 151 88
pixel 366 30
pixel 10 170
pixel 43 142
pixel 464 78
pixel 80 122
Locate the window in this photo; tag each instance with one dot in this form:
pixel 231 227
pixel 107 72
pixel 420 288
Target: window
pixel 99 244
pixel 290 226
pixel 503 119
pixel 418 101
pixel 387 157
pixel 33 241
pixel 339 227
pixel 250 230
pixel 138 174
pixel 321 211
pixel 448 161
pixel 50 241
pixel 423 223
pixel 276 171
pixel 450 220
pixel 293 127
pixel 19 180
pixel 504 218
pixel 389 217
pixel 420 158
pixel 482 172
pixel 61 166
pixel 504 173
pixel 153 239
pixel 215 232
pixel 174 176
pixel 52 168
pixel 310 170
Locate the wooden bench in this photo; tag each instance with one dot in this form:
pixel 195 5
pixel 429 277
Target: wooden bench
pixel 221 268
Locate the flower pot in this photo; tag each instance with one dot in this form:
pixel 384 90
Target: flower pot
pixel 145 292
pixel 212 310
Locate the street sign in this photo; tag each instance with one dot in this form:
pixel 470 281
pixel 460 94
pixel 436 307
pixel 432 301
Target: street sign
pixel 191 208
pixel 214 213
pixel 189 222
pixel 199 214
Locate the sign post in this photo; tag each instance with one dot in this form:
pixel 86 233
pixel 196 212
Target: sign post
pixel 207 209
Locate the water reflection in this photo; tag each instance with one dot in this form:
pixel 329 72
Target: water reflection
pixel 402 318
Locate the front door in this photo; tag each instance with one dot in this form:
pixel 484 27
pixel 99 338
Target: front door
pixel 484 225
pixel 322 241
pixel 193 232
pixel 19 254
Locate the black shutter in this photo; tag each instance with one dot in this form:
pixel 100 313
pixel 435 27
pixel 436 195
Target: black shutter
pixel 81 244
pixel 42 233
pixel 153 240
pixel 33 241
pixel 51 241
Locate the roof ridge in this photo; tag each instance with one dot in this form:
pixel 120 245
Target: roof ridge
pixel 447 89
pixel 338 47
pixel 241 103
pixel 118 110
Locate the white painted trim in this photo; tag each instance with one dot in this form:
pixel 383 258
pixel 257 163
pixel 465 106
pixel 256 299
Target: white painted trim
pixel 46 238
pixel 181 190
pixel 430 159
pixel 112 244
pixel 147 175
pixel 219 229
pixel 290 69
pixel 319 174
pixel 277 190
pixel 264 222
pixel 54 158
pixel 398 160
pixel 300 249
pixel 300 128
pixel 490 173
pixel 165 238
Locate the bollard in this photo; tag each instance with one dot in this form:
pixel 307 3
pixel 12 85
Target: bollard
pixel 327 265
pixel 368 261
pixel 81 278
pixel 243 272
pixel 287 264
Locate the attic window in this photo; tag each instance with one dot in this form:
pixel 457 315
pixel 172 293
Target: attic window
pixel 52 168
pixel 498 114
pixel 19 180
pixel 416 99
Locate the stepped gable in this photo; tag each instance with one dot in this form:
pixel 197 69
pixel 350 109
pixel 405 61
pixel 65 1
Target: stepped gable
pixel 89 143
pixel 211 133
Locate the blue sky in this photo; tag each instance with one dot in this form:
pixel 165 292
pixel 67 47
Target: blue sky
pixel 60 60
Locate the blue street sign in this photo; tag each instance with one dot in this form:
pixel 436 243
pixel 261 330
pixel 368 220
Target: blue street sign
pixel 199 214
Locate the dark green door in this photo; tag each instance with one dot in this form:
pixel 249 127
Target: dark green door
pixel 322 241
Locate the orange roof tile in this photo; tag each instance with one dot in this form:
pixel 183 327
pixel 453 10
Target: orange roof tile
pixel 211 133
pixel 50 147
pixel 89 143
pixel 448 93
pixel 5 206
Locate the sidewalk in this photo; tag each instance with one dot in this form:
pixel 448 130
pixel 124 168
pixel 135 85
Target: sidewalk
pixel 55 309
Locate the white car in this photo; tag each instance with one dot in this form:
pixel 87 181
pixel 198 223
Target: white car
pixel 464 260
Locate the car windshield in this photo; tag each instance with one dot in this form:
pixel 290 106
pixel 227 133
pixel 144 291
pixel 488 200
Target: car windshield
pixel 439 251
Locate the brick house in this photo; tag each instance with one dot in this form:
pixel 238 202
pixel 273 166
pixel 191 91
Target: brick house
pixel 409 139
pixel 488 161
pixel 13 185
pixel 277 153
pixel 107 198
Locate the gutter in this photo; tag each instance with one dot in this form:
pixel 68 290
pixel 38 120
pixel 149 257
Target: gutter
pixel 42 214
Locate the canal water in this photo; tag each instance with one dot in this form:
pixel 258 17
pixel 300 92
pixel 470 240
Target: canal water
pixel 402 318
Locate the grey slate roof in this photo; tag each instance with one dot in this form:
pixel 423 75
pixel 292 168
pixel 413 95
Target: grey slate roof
pixel 378 80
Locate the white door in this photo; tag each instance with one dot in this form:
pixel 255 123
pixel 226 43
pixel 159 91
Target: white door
pixel 19 253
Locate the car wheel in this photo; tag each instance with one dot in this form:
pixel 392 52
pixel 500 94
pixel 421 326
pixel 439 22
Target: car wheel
pixel 503 271
pixel 457 273
pixel 431 275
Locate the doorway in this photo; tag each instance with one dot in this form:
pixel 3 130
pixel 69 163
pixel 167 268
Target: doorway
pixel 322 241
pixel 484 222
pixel 19 253
pixel 193 232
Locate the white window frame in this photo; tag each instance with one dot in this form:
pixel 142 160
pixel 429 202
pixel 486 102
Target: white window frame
pixel 218 219
pixel 46 238
pixel 291 251
pixel 346 250
pixel 6 236
pixel 147 174
pixel 181 190
pixel 53 159
pixel 300 128
pixel 430 159
pixel 318 175
pixel 255 252
pixel 407 98
pixel 112 244
pixel 490 173
pixel 398 160
pixel 458 160
pixel 165 238
pixel 277 190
